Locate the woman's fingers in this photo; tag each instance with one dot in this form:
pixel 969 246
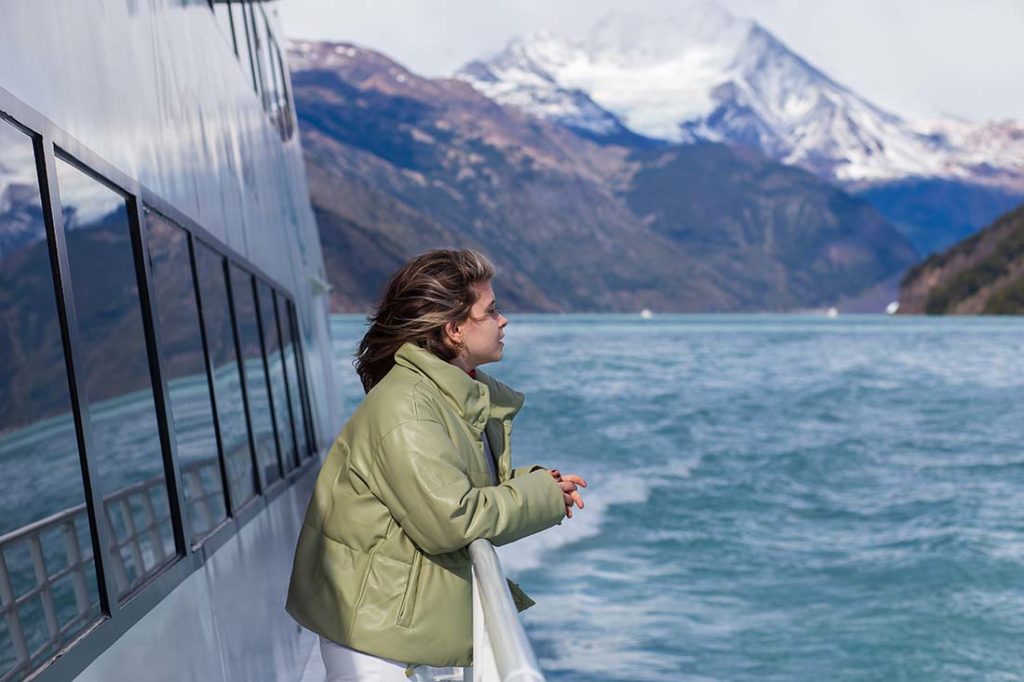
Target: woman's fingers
pixel 575 479
pixel 569 493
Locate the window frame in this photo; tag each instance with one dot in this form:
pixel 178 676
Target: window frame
pixel 51 142
pixel 122 185
pixel 307 406
pixel 198 539
pixel 251 284
pixel 263 60
pixel 298 455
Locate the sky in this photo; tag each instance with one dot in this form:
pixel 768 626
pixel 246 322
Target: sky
pixel 916 58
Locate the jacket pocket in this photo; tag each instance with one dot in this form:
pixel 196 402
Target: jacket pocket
pixel 411 589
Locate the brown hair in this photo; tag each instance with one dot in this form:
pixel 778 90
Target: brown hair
pixel 426 293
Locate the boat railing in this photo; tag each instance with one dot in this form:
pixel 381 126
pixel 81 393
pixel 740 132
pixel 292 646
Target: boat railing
pixel 59 550
pixel 501 650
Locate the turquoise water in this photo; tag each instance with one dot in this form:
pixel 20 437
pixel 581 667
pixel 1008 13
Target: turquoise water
pixel 772 497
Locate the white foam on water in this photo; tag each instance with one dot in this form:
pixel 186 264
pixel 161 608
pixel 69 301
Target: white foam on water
pixel 616 489
pixel 590 636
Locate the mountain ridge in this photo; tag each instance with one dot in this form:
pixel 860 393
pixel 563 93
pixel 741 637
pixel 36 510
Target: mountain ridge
pixel 714 77
pixel 983 274
pixel 398 163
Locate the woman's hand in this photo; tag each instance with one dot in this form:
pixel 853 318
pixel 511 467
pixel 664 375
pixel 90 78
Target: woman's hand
pixel 569 484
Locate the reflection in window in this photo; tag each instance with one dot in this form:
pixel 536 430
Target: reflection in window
pixel 181 347
pixel 261 417
pixel 303 383
pixel 220 341
pixel 241 14
pixel 40 469
pixel 291 366
pixel 275 367
pixel 261 44
pixel 222 12
pixel 115 365
pixel 285 121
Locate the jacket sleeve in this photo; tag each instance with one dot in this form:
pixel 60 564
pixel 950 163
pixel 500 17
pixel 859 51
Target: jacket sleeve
pixel 522 471
pixel 424 482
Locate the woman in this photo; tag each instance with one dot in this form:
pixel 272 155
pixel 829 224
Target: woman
pixel 423 468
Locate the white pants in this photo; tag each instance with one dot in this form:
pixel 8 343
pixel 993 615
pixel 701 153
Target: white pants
pixel 347 665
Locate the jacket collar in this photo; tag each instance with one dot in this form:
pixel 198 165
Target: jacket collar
pixel 476 400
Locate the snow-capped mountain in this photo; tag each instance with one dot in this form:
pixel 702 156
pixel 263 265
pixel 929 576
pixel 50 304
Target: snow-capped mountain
pixel 21 216
pixel 706 75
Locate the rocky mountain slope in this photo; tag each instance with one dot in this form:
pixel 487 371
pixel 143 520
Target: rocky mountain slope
pixel 706 75
pixel 984 274
pixel 399 163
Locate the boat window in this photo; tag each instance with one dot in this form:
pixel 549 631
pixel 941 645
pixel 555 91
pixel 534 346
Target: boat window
pixel 260 412
pixel 227 382
pixel 113 364
pixel 271 91
pixel 278 384
pixel 291 375
pixel 241 17
pixel 260 49
pixel 286 121
pixel 44 528
pixel 300 364
pixel 184 362
pixel 222 12
pixel 276 109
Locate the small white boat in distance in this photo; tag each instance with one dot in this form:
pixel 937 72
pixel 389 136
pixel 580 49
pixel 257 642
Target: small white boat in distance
pixel 832 313
pixel 892 308
pixel 646 314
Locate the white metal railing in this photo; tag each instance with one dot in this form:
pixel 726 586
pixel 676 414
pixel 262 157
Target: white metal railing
pixel 139 545
pixel 24 644
pixel 501 650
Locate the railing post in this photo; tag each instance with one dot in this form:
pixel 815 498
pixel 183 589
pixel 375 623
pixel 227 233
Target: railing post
pixel 133 539
pixel 35 548
pixel 75 563
pixel 117 568
pixel 505 648
pixel 152 527
pixel 200 499
pixel 8 604
pixel 485 669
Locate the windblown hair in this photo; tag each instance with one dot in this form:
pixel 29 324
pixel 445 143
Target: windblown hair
pixel 426 293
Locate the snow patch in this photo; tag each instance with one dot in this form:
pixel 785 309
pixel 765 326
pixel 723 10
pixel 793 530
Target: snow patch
pixel 706 75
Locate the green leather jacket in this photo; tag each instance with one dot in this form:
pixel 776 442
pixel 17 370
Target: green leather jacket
pixel 382 564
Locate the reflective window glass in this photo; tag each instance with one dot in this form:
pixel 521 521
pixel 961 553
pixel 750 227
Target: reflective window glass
pixel 270 96
pixel 275 79
pixel 278 384
pixel 222 11
pixel 242 13
pixel 44 528
pixel 260 52
pixel 300 364
pixel 261 418
pixel 181 346
pixel 227 382
pixel 291 374
pixel 285 121
pixel 114 363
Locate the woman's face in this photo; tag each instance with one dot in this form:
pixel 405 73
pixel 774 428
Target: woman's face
pixel 483 331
